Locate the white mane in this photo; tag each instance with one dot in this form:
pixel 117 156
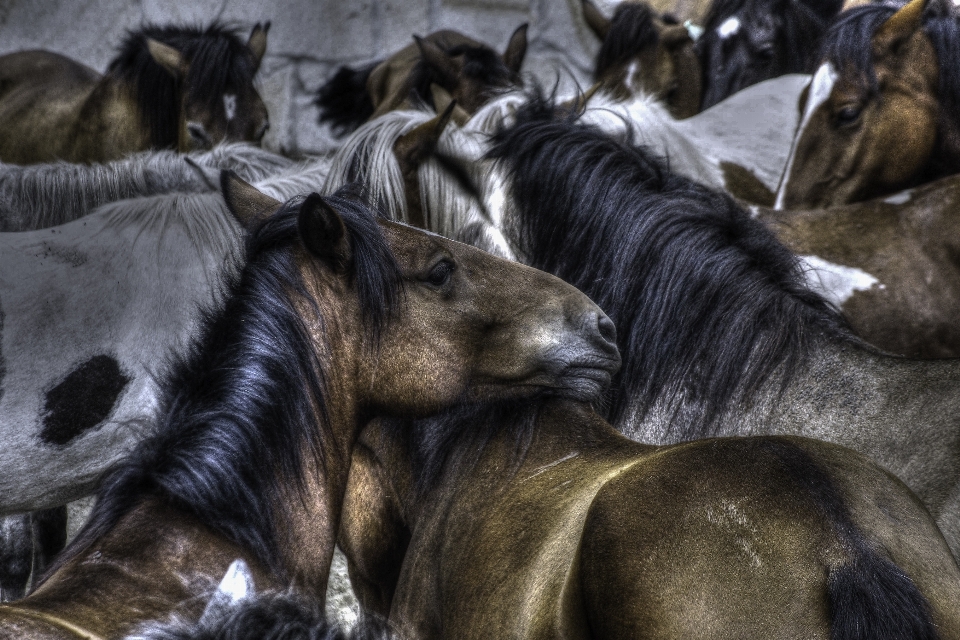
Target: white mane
pixel 303 177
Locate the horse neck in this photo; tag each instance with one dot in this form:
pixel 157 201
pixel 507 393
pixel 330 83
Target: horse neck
pixel 110 125
pixel 154 561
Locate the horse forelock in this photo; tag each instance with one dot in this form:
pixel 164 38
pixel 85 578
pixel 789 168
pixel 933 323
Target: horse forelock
pixel 709 306
pixel 847 43
pixel 237 418
pixel 218 61
pixel 632 30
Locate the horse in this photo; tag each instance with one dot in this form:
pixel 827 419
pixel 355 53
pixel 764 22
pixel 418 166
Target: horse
pixel 641 51
pixel 887 264
pixel 542 521
pixel 237 611
pixel 715 319
pixel 882 113
pixel 746 41
pixel 250 454
pixel 469 70
pixel 167 88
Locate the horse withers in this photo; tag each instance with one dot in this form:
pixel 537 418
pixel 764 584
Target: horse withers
pixel 360 317
pixel 167 88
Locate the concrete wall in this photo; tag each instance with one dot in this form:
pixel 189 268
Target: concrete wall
pixel 310 39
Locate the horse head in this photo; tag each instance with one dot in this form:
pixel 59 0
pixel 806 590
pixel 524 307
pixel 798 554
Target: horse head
pixel 870 121
pixel 470 325
pixel 643 51
pixel 213 72
pixel 747 41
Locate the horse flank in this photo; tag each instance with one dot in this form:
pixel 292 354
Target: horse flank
pixel 210 446
pixel 711 306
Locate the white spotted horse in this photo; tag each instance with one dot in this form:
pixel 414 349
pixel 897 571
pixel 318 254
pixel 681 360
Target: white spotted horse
pixel 167 87
pixel 251 449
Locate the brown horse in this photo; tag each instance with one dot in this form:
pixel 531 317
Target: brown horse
pixel 883 111
pixel 336 318
pixel 888 264
pixel 168 87
pixel 554 525
pixel 642 52
pixel 470 71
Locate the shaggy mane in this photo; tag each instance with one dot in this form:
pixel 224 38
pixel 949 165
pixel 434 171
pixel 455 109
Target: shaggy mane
pixel 632 31
pixel 708 305
pixel 236 418
pixel 220 62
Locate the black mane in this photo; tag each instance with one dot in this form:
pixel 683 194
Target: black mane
pixel 632 31
pixel 237 410
pixel 220 62
pixel 709 306
pixel 343 100
pixel 481 63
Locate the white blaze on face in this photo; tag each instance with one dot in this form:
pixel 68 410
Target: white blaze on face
pixel 836 282
pixel 728 27
pixel 230 105
pixel 820 89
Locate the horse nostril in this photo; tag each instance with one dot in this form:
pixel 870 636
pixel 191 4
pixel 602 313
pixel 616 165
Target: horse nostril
pixel 607 329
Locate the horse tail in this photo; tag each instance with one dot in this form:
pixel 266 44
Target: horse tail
pixel 344 101
pixel 871 597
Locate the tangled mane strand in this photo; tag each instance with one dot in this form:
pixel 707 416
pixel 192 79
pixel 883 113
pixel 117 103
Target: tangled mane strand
pixel 632 31
pixel 709 306
pixel 219 62
pixel 244 399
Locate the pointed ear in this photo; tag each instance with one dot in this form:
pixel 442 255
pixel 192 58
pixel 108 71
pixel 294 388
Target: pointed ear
pixel 597 22
pixel 168 58
pixel 248 205
pixel 442 101
pixel 258 41
pixel 516 49
pixel 446 66
pixel 898 27
pixel 323 233
pixel 413 147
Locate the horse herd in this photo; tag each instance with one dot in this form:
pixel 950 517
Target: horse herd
pixel 675 356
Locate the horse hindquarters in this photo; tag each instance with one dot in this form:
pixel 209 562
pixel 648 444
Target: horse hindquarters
pixel 736 538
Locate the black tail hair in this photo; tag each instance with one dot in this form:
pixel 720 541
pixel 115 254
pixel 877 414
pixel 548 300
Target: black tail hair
pixel 871 598
pixel 344 101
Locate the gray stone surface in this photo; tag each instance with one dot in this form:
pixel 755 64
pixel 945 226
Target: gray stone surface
pixel 310 39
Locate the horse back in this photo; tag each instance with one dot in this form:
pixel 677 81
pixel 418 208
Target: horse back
pixel 41 96
pixel 763 537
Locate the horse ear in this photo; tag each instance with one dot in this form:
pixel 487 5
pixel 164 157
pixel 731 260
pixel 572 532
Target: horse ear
pixel 442 101
pixel 247 204
pixel 258 41
pixel 323 232
pixel 439 60
pixel 168 58
pixel 516 49
pixel 897 28
pixel 597 22
pixel 413 147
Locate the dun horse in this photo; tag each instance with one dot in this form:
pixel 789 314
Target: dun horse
pixel 469 70
pixel 883 111
pixel 167 88
pixel 546 523
pixel 717 325
pixel 252 449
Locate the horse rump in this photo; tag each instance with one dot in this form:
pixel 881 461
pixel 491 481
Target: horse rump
pixel 344 101
pixel 871 598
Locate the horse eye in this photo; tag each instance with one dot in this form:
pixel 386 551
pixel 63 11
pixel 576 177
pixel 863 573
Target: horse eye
pixel 199 134
pixel 848 115
pixel 440 273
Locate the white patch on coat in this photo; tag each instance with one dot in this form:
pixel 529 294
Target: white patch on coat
pixel 631 79
pixel 695 30
pixel 820 89
pixel 729 27
pixel 904 196
pixel 237 582
pixel 230 105
pixel 836 282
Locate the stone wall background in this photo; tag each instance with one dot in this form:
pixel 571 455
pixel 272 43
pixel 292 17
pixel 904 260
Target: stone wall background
pixel 310 39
